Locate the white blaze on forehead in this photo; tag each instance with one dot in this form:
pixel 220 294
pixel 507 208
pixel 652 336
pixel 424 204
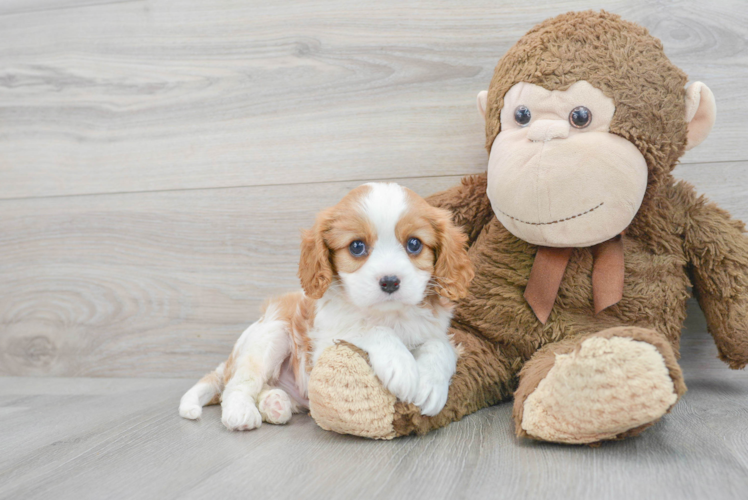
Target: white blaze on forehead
pixel 384 204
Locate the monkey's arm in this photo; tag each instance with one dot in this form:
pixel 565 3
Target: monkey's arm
pixel 469 204
pixel 717 248
pixel 346 396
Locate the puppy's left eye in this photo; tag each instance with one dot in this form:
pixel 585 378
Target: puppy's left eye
pixel 414 246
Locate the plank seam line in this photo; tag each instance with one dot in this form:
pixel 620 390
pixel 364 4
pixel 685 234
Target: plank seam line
pixel 278 184
pixel 211 188
pixel 68 7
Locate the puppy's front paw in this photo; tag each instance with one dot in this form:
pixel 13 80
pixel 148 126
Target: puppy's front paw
pixel 432 394
pixel 398 372
pixel 240 413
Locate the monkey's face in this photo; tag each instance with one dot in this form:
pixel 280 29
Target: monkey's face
pixel 556 175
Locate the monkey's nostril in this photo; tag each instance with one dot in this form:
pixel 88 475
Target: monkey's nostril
pixel 389 284
pixel 546 130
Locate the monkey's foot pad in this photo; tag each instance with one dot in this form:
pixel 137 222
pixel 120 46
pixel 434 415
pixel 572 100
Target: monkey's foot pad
pixel 599 392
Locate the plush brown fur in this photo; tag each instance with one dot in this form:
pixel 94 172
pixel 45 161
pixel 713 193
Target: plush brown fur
pixel 318 244
pixel 676 240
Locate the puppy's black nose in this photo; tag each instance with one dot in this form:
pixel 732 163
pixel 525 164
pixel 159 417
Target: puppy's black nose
pixel 389 284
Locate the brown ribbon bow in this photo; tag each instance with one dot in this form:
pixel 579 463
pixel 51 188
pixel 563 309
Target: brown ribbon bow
pixel 550 264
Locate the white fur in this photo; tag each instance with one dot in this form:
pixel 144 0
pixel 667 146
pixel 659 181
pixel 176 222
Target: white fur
pixel 191 405
pixel 383 206
pixel 407 343
pixel 259 354
pixel 436 364
pixel 390 337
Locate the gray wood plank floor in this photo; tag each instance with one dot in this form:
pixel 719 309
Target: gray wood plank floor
pixel 81 438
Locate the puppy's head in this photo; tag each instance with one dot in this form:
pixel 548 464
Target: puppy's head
pixel 384 245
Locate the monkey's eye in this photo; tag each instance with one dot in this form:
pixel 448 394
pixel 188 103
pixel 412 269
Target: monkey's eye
pixel 580 117
pixel 522 115
pixel 357 248
pixel 414 246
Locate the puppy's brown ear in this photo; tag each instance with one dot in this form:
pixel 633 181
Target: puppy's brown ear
pixel 453 269
pixel 315 268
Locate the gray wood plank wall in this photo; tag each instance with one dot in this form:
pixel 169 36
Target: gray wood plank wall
pixel 158 158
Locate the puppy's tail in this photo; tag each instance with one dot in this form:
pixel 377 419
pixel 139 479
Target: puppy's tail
pixel 206 392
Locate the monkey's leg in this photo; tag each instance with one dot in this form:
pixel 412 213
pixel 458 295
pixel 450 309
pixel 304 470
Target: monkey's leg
pixel 607 385
pixel 345 396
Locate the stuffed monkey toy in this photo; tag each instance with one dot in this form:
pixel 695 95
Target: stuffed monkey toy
pixel 584 248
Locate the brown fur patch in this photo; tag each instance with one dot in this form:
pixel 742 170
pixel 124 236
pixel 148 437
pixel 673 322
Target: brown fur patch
pixel 214 380
pixel 717 248
pixel 452 269
pixel 315 265
pixel 415 223
pixel 230 367
pixel 345 230
pixel 297 310
pixel 334 229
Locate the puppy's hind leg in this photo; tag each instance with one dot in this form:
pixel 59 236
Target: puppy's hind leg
pixel 258 356
pixel 206 392
pixel 275 405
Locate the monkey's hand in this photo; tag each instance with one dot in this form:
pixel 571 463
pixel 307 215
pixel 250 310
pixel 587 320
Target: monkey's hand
pixel 717 248
pixel 346 396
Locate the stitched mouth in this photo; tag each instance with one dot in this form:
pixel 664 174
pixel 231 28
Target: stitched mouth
pixel 555 221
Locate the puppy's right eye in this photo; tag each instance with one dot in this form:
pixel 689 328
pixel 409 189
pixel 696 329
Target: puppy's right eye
pixel 357 248
pixel 414 246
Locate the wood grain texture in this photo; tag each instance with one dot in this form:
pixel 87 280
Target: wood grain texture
pixel 103 438
pixel 106 96
pixel 161 284
pixel 10 7
pixel 148 284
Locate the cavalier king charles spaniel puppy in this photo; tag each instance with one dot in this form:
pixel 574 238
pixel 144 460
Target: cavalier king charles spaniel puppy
pixel 381 270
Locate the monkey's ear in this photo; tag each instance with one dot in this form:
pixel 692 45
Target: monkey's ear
pixel 701 112
pixel 482 101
